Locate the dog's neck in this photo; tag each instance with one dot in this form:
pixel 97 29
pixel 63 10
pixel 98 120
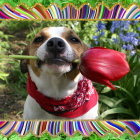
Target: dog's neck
pixel 54 86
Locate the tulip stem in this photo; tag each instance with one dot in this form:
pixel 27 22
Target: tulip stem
pixel 76 61
pixel 19 57
pixel 28 57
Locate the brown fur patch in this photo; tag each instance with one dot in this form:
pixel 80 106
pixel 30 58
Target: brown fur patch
pixel 78 48
pixel 24 62
pixel 33 48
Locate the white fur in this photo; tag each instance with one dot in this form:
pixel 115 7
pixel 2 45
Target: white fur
pixel 56 31
pixel 53 83
pixel 68 53
pixel 55 86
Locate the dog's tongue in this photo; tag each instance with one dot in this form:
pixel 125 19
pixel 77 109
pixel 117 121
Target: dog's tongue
pixel 103 65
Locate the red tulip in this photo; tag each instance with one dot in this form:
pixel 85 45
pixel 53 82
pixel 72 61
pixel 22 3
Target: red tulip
pixel 103 65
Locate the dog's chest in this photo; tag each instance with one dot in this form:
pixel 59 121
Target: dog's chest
pixel 53 86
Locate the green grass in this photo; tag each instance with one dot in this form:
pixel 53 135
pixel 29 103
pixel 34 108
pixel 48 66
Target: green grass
pixel 62 3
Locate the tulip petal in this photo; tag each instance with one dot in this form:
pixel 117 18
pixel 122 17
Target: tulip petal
pixel 98 79
pixel 109 84
pixel 102 65
pixel 123 55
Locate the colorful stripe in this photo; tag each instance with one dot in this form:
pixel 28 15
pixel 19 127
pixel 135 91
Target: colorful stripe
pixel 9 12
pixel 132 12
pixel 69 127
pixel 69 12
pixel 115 13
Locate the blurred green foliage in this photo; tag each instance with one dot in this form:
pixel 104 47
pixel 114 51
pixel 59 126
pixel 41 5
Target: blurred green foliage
pixel 77 136
pixel 62 3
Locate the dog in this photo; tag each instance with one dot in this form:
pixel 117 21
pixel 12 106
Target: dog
pixel 57 90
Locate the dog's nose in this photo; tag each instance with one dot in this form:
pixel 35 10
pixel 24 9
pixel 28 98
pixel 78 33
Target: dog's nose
pixel 56 44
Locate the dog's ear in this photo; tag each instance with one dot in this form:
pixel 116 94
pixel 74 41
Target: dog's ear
pixel 24 62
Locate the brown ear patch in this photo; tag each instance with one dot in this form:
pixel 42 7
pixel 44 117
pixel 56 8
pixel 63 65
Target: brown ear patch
pixel 23 62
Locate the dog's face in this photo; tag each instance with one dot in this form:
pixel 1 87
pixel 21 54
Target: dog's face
pixel 56 48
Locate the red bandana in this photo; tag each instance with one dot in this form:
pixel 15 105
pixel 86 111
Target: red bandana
pixel 83 99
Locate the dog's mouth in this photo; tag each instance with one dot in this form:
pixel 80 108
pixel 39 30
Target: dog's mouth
pixel 49 61
pixel 57 61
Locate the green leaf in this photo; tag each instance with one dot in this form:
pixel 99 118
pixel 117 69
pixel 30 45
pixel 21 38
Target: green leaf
pixel 3 138
pixel 94 136
pixel 106 89
pixel 107 100
pixel 137 69
pixel 127 92
pixel 14 136
pixel 126 136
pixel 58 2
pixel 117 111
pixel 56 138
pixel 138 137
pixel 45 136
pixel 83 1
pixel 109 136
pixel 138 102
pixel 119 101
pixel 77 136
pixel 3 75
pixel 74 138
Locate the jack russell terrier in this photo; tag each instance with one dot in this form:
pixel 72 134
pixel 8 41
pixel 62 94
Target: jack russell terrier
pixel 56 88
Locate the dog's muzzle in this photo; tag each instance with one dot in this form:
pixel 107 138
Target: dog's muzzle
pixel 56 45
pixel 56 51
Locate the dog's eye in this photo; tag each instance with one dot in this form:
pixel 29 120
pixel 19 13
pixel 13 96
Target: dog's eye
pixel 74 40
pixel 38 39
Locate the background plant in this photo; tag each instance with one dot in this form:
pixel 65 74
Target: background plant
pixel 4 46
pixel 121 104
